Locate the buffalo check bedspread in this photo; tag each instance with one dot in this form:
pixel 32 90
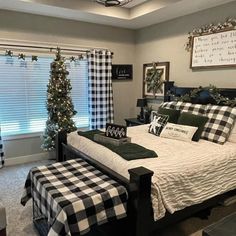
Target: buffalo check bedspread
pixel 73 195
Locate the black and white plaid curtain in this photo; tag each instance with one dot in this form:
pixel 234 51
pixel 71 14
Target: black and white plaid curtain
pixel 1 151
pixel 100 88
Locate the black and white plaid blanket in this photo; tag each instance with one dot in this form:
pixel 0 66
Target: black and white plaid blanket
pixel 73 195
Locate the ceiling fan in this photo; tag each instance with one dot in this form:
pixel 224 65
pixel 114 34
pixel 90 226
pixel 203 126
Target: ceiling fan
pixel 113 3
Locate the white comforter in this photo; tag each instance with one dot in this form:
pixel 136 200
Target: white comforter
pixel 184 173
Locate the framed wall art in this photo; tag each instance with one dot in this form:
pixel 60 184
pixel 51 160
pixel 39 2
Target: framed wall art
pixel 213 45
pixel 122 72
pixel 154 76
pixel 214 50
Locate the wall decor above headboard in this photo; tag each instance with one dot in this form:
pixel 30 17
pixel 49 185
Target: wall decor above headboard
pixel 213 45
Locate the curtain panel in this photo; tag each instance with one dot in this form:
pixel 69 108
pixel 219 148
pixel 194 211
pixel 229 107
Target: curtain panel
pixel 1 151
pixel 100 88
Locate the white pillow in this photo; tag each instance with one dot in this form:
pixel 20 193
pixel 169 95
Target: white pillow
pixel 232 136
pixel 178 132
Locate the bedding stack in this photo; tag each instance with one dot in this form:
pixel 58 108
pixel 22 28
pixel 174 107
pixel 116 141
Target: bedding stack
pixel 192 164
pixel 191 122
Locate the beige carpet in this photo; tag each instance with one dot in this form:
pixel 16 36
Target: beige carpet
pixel 19 218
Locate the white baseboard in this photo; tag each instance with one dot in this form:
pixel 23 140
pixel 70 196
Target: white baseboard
pixel 26 159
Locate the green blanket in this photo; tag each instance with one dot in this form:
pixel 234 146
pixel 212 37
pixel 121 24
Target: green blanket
pixel 129 151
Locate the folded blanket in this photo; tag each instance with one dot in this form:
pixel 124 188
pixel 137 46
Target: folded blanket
pixel 128 151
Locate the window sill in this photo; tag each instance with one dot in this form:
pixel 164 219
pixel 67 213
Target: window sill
pixel 21 136
pixel 31 135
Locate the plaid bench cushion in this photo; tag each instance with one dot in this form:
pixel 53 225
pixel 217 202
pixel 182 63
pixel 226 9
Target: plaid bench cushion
pixel 73 195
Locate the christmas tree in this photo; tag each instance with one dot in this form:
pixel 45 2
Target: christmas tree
pixel 59 103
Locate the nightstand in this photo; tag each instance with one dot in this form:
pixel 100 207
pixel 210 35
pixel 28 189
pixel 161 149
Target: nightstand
pixel 133 122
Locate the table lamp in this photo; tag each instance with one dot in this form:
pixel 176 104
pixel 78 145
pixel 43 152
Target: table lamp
pixel 141 102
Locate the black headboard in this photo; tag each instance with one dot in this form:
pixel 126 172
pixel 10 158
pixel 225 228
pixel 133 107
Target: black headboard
pixel 204 96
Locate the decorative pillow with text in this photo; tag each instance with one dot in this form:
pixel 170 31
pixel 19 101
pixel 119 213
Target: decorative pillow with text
pixel 178 132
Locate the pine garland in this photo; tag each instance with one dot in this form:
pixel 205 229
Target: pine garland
pixel 229 24
pixel 214 92
pixel 59 103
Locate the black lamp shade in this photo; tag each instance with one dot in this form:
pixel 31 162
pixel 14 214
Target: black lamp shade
pixel 142 102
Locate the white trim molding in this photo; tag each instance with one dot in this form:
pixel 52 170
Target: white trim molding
pixel 26 159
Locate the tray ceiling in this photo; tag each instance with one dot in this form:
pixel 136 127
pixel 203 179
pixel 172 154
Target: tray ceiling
pixel 137 14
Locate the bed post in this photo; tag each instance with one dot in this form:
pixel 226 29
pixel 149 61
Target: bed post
pixel 139 206
pixel 61 138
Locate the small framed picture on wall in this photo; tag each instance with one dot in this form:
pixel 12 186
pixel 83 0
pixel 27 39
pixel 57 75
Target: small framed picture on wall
pixel 154 76
pixel 122 72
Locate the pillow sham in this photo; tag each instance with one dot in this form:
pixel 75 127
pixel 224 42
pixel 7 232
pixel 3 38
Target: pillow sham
pixel 219 124
pixel 169 105
pixel 196 109
pixel 178 132
pixel 158 123
pixel 172 113
pixel 199 121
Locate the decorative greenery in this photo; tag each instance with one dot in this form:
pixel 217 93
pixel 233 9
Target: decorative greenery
pixel 154 79
pixel 213 92
pixel 230 23
pixel 21 56
pixel 34 58
pixel 9 53
pixel 59 103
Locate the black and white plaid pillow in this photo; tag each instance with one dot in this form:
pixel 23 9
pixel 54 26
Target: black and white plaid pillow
pixel 195 109
pixel 169 105
pixel 220 123
pixel 158 123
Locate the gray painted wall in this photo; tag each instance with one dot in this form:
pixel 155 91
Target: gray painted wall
pixel 29 27
pixel 166 42
pixel 161 42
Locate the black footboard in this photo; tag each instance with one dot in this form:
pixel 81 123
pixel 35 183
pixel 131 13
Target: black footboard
pixel 140 213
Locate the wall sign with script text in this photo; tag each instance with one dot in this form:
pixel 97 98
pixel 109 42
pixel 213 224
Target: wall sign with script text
pixel 214 50
pixel 122 72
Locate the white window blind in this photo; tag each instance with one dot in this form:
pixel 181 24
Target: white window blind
pixel 23 94
pixel 78 75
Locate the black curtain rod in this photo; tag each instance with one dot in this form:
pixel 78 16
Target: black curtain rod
pixel 44 47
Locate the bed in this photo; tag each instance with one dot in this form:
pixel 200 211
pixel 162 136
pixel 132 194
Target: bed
pixel 162 190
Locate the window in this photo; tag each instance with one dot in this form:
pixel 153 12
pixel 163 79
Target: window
pixel 23 94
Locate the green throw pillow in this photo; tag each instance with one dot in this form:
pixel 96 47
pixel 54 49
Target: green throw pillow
pixel 172 113
pixel 187 118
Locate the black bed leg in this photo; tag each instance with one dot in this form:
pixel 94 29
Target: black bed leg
pixel 139 206
pixel 61 138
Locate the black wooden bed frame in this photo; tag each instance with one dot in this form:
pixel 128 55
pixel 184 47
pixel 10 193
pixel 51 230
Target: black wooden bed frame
pixel 140 213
